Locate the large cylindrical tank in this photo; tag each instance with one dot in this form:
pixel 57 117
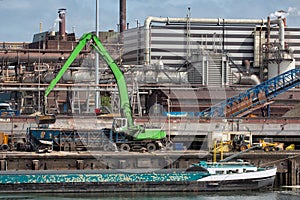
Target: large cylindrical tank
pixel 78 76
pixel 29 78
pixel 172 77
pixel 48 77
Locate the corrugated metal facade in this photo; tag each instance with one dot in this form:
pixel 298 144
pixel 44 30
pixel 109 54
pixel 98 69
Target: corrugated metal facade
pixel 134 46
pixel 170 43
pixel 209 69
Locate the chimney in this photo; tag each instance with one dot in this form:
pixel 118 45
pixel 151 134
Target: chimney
pixel 62 23
pixel 122 15
pixel 284 22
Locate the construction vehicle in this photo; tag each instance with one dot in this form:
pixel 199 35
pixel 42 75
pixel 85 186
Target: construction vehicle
pixel 7 111
pixel 291 147
pixel 240 141
pixel 234 141
pixel 124 134
pixel 268 144
pixel 223 146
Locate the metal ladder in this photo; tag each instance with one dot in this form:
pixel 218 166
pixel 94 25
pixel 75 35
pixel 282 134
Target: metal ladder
pixel 135 99
pixel 52 103
pixel 75 102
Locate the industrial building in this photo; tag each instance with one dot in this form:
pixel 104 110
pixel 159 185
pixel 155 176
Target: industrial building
pixel 176 64
pixel 208 53
pixel 191 77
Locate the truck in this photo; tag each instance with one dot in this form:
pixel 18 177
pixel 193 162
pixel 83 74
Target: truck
pixel 124 135
pixel 7 111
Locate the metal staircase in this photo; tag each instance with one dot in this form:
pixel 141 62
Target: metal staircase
pixel 254 98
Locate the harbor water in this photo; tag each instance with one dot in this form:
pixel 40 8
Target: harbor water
pixel 260 195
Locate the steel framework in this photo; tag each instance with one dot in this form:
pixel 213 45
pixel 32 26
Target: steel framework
pixel 254 98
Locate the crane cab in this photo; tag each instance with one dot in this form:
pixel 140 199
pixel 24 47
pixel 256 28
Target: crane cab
pixel 119 124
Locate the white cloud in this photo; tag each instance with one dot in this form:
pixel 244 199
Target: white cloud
pixel 293 11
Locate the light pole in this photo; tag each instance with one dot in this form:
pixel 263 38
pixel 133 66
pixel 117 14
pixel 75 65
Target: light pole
pixel 169 120
pixel 97 59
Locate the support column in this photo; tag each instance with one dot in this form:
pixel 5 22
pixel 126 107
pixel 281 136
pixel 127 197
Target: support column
pixel 293 172
pixel 3 165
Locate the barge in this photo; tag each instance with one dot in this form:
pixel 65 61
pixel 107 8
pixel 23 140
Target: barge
pixel 200 177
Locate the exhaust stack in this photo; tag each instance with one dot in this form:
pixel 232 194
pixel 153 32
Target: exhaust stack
pixel 62 23
pixel 122 15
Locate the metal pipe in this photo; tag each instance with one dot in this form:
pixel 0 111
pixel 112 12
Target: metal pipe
pixel 150 19
pixel 281 33
pixel 280 23
pixel 245 79
pixel 268 36
pixel 31 56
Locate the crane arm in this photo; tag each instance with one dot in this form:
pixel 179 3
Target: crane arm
pixel 82 42
pixel 119 77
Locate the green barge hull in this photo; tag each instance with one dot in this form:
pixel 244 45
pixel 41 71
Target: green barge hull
pixel 133 180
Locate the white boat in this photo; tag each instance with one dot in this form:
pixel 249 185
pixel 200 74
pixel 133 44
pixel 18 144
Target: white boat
pixel 238 175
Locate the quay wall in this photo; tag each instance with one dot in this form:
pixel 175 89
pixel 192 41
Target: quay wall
pixel 287 162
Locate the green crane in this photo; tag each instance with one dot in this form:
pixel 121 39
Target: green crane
pixel 126 123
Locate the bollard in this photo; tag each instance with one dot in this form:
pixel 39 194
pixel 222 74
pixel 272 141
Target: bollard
pixel 35 164
pixel 80 164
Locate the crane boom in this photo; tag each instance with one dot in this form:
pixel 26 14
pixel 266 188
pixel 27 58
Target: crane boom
pixel 81 44
pixel 122 86
pixel 124 134
pixel 119 77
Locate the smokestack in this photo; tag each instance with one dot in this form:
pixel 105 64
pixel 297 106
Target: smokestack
pixel 122 15
pixel 41 27
pixel 284 22
pixel 62 23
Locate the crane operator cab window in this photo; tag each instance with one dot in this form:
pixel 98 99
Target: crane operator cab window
pixel 119 124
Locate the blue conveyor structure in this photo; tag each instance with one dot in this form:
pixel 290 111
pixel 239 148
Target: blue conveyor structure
pixel 254 98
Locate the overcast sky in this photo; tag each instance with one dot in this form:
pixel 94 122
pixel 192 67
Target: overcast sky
pixel 20 19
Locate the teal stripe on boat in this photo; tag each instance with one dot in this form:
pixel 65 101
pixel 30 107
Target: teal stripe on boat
pixel 105 178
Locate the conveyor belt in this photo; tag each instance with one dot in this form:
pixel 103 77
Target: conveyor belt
pixel 255 97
